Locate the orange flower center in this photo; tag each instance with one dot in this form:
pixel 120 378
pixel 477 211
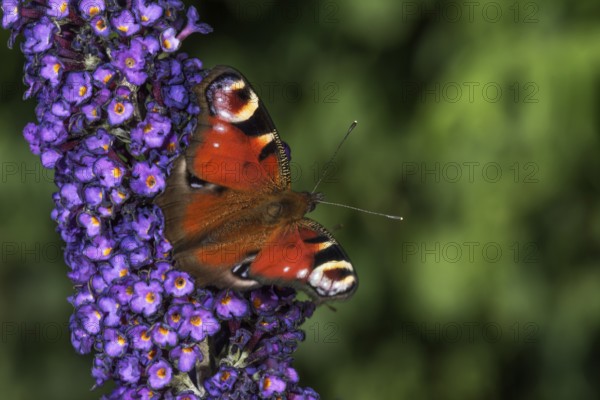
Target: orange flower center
pixel 150 181
pixel 179 283
pixel 130 62
pixel 150 297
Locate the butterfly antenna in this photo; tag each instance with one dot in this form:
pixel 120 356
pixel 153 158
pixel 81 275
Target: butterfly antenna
pixel 352 126
pixel 396 217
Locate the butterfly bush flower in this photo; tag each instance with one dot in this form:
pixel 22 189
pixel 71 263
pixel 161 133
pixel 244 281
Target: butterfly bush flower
pixel 115 108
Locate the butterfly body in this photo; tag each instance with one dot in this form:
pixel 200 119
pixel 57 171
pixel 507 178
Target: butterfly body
pixel 230 212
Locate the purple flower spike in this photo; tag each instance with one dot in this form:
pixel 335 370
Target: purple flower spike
pixel 116 105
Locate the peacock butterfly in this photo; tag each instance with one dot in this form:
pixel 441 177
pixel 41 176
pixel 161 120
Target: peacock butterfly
pixel 230 213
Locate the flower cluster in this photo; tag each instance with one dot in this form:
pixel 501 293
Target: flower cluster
pixel 115 107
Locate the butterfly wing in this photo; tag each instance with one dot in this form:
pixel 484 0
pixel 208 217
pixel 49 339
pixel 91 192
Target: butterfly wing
pixel 234 159
pixel 306 256
pixel 219 197
pixel 236 144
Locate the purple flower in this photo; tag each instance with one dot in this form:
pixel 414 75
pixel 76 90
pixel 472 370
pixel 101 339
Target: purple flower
pixel 178 284
pixel 77 88
pixel 124 23
pixel 230 305
pixel 110 307
pixel 193 25
pixel 176 96
pixel 101 369
pixel 100 26
pixel 11 14
pixel 89 318
pixel 90 222
pixel 99 248
pixel 50 157
pixel 168 40
pixel 93 195
pixel 58 9
pixel 115 343
pixel 159 374
pixel 185 357
pixel 265 302
pixel 38 37
pixel 140 337
pixel 91 8
pixel 109 172
pixel 52 69
pixel 222 382
pixel 119 111
pixel 198 323
pixel 151 133
pixel 147 180
pixel 70 195
pixel 131 62
pixel 147 297
pixel 129 369
pixel 104 75
pixel 147 14
pixel 164 336
pixel 271 385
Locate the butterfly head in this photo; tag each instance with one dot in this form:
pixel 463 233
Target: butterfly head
pixel 313 200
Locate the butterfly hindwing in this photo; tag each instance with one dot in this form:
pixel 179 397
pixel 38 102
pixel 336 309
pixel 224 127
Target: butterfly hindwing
pixel 305 255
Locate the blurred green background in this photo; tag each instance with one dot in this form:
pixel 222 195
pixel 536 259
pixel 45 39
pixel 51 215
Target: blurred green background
pixel 478 122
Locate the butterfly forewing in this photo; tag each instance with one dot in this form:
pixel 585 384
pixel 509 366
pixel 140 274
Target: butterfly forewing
pixel 237 144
